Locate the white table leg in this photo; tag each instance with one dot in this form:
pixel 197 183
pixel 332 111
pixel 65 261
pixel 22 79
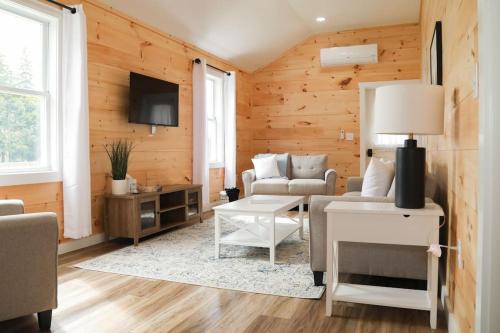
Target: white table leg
pixel 217 235
pixel 329 269
pixel 429 271
pixel 433 291
pixel 335 268
pixel 301 220
pixel 272 245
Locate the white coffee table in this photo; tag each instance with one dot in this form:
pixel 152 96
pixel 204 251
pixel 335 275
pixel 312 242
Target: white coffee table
pixel 265 230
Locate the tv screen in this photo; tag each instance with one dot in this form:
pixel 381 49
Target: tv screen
pixel 153 101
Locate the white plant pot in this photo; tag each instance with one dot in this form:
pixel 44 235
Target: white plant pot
pixel 119 187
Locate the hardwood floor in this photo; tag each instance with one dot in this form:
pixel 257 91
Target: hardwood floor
pixel 92 301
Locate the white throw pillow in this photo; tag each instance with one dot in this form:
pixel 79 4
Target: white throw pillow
pixel 392 190
pixel 378 178
pixel 266 167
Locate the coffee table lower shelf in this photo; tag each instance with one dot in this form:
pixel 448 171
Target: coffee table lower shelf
pixel 258 236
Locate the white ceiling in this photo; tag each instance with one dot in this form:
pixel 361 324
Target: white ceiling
pixel 252 33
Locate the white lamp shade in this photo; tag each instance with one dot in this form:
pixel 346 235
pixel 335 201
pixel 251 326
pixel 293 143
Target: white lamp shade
pixel 409 109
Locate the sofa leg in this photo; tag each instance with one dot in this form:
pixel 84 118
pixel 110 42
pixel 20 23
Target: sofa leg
pixel 318 278
pixel 44 320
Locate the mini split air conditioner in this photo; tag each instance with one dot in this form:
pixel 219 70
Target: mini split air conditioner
pixel 345 55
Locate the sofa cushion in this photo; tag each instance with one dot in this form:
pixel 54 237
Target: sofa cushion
pixel 270 186
pixel 283 163
pixel 306 186
pixel 308 166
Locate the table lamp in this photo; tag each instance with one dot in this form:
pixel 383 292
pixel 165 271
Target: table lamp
pixel 409 109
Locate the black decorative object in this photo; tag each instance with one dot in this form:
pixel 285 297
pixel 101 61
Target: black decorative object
pixel 436 55
pixel 410 175
pixel 233 193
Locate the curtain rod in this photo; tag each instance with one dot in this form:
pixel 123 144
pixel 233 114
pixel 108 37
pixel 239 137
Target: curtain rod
pixel 71 9
pixel 198 61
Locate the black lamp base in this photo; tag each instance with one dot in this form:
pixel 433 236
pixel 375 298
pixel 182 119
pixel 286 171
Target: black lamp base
pixel 410 175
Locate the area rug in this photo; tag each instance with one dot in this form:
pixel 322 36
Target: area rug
pixel 187 256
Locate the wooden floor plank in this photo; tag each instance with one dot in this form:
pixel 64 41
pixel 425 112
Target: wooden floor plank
pixel 91 301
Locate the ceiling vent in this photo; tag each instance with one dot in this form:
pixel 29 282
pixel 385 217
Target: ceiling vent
pixel 346 55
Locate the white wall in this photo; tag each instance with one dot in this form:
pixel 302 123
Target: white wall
pixel 488 270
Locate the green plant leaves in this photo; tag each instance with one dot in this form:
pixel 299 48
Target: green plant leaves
pixel 118 153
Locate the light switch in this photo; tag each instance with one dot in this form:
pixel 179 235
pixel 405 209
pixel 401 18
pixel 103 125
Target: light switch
pixel 349 136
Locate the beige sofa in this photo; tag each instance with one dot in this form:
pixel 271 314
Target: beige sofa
pixel 362 258
pixel 305 175
pixel 28 263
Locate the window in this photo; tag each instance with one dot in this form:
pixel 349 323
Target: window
pixel 29 109
pixel 387 140
pixel 215 118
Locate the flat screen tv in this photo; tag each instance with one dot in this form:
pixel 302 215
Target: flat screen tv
pixel 153 101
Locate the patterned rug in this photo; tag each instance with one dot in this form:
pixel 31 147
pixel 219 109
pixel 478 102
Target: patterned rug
pixel 187 256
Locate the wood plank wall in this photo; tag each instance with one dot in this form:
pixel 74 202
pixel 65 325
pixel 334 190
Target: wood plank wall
pixel 453 157
pixel 118 44
pixel 299 107
pixel 216 176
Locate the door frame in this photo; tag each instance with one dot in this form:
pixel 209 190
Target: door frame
pixel 488 235
pixel 363 127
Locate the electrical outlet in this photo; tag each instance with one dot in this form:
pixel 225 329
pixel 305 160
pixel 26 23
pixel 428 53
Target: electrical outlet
pixel 460 260
pixel 342 134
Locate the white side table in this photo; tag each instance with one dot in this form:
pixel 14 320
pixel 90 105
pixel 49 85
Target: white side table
pixel 383 223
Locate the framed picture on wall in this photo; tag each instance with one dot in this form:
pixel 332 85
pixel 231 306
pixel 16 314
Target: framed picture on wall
pixel 436 55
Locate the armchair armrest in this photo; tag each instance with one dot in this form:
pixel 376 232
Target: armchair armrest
pixel 11 207
pixel 354 184
pixel 248 177
pixel 28 273
pixel 330 179
pixel 317 225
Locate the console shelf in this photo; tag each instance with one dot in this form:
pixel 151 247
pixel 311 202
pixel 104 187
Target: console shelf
pixel 138 215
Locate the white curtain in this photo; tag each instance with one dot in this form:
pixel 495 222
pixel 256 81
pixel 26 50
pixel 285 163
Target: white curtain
pixel 230 130
pixel 75 114
pixel 200 147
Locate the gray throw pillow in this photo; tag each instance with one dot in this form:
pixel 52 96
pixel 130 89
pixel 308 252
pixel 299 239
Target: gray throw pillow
pixel 283 162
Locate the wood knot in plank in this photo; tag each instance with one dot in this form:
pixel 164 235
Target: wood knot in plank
pixel 345 82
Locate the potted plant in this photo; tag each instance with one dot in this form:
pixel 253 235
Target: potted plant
pixel 118 153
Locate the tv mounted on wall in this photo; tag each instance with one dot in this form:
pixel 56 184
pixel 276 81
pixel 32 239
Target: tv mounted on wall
pixel 153 101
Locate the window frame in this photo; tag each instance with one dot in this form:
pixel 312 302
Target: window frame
pixel 388 146
pixel 219 117
pixel 51 171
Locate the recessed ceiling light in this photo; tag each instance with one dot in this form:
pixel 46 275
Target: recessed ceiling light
pixel 320 19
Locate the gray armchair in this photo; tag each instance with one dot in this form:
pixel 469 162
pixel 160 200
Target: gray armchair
pixel 28 263
pixel 362 258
